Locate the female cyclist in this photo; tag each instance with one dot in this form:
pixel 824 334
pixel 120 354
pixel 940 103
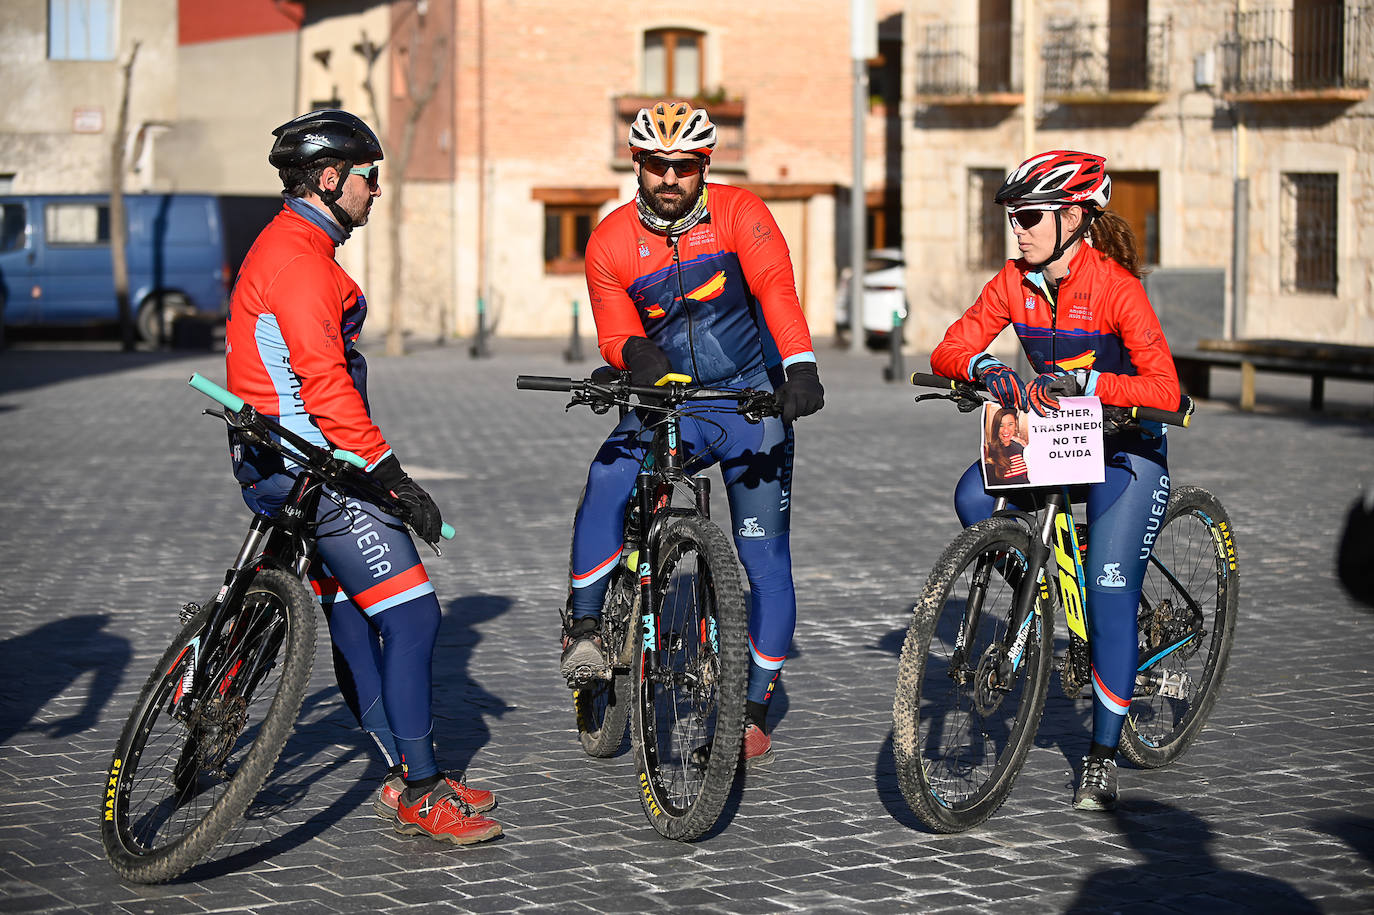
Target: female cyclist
pixel 1075 299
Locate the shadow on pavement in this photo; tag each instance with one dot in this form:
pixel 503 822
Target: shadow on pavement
pixel 289 784
pixel 24 368
pixel 1355 831
pixel 1178 865
pixel 40 665
pixel 461 705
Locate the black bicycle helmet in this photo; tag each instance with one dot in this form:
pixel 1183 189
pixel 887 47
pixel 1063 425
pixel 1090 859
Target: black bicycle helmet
pixel 328 132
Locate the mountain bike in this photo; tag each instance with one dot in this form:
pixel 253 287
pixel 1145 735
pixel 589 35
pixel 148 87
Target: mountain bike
pixel 975 666
pixel 674 626
pixel 221 702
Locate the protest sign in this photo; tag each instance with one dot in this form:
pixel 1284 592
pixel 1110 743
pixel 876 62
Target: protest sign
pixel 1026 449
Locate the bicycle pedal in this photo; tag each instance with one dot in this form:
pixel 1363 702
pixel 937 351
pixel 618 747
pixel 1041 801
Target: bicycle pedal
pixel 585 676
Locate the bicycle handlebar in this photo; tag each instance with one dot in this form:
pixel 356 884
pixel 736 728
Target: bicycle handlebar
pixel 751 400
pixel 972 389
pixel 236 405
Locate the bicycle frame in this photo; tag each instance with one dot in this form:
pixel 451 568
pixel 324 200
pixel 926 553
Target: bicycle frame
pixel 654 486
pixel 1055 534
pixel 279 541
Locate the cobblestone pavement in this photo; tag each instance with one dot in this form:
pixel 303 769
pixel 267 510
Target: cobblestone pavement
pixel 120 507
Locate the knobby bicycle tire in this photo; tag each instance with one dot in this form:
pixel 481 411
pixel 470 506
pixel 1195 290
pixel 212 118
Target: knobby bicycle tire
pixel 688 714
pixel 1194 550
pixel 958 738
pixel 178 784
pixel 603 706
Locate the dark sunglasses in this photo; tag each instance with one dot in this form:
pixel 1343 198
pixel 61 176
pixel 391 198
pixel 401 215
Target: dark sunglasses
pixel 658 166
pixel 1026 219
pixel 368 172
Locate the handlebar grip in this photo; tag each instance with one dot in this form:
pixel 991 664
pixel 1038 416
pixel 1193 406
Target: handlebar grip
pixel 542 383
pixel 1182 418
pixel 215 392
pixel 348 457
pixel 447 531
pixel 927 380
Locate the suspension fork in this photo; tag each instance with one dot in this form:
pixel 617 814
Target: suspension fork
pixel 973 610
pixel 1018 632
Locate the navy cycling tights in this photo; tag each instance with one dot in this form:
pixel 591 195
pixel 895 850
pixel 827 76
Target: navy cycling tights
pixel 1124 514
pixel 756 463
pixel 383 620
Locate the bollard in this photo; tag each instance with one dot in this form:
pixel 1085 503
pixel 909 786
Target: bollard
pixel 895 368
pixel 574 351
pixel 479 350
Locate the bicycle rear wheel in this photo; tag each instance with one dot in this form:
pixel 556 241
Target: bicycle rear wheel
pixel 961 728
pixel 184 772
pixel 603 706
pixel 689 702
pixel 1187 621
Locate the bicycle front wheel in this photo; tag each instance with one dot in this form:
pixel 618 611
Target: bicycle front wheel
pixel 1187 619
pixel 603 706
pixel 689 683
pixel 969 693
pixel 185 770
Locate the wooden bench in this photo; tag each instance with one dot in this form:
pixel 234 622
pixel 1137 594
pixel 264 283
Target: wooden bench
pixel 1293 357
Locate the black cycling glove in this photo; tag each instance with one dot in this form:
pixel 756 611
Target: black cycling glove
pixel 646 362
pixel 424 517
pixel 801 394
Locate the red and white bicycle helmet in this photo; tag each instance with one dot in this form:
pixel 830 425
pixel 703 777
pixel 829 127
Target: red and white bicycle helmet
pixel 673 127
pixel 1060 177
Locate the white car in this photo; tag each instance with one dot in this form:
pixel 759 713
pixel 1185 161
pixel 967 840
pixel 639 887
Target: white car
pixel 884 294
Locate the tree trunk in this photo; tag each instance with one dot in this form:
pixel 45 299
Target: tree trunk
pixel 118 225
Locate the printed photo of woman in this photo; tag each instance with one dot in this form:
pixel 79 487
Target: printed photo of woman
pixel 1005 462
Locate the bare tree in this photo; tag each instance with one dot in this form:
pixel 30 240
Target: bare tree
pixel 420 50
pixel 118 229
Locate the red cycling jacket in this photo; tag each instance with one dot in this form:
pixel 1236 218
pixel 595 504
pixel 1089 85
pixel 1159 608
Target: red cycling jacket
pixel 721 303
pixel 294 321
pixel 1098 319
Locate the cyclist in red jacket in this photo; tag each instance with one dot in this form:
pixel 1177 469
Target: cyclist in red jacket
pixel 696 278
pixel 291 352
pixel 1075 299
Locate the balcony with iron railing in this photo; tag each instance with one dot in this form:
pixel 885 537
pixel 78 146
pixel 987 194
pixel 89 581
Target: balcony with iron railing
pixel 726 114
pixel 1116 62
pixel 969 65
pixel 1314 53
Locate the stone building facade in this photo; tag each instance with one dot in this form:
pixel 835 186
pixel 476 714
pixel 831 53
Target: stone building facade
pixel 1196 105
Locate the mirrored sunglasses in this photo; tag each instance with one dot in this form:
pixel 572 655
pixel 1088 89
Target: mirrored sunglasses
pixel 368 172
pixel 684 168
pixel 1026 219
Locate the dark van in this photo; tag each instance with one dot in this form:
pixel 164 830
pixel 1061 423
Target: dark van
pixel 183 252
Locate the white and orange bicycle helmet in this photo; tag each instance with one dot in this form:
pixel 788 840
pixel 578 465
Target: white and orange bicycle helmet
pixel 673 127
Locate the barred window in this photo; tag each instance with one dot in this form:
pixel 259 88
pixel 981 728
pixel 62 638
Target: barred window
pixel 987 234
pixel 1309 232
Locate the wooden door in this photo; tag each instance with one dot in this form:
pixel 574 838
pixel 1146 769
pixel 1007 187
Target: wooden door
pixel 1135 196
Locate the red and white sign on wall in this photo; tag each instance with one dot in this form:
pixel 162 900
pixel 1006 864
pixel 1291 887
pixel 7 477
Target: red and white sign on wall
pixel 88 120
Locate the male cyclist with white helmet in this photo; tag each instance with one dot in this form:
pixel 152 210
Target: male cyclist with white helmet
pixel 697 279
pixel 291 352
pixel 1075 299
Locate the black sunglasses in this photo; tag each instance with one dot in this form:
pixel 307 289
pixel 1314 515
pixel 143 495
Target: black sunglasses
pixel 658 166
pixel 1026 219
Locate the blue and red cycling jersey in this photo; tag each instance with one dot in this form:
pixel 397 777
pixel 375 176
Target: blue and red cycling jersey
pixel 721 304
pixel 1097 319
pixel 291 340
